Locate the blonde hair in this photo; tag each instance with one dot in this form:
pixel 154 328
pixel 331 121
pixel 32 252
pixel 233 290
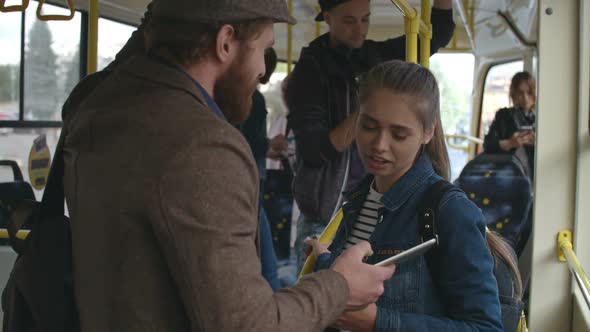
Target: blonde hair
pixel 523 76
pixel 500 249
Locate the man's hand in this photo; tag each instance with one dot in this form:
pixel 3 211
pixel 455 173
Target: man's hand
pixel 359 320
pixel 342 136
pixel 365 281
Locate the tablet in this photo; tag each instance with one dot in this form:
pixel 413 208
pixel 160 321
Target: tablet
pixel 409 254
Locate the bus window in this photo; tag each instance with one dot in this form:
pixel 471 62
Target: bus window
pixel 52 63
pixel 111 39
pixel 454 73
pixel 9 67
pixel 17 146
pixel 496 92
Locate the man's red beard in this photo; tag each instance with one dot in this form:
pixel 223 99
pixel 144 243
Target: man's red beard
pixel 233 92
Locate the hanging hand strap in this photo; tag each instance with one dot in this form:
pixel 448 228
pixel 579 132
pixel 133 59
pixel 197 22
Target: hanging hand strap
pixel 14 8
pixel 56 17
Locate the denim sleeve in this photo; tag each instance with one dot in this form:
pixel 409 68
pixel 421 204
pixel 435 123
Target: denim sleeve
pixel 323 262
pixel 307 98
pixel 462 269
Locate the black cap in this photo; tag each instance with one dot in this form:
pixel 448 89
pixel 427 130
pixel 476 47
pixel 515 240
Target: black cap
pixel 326 5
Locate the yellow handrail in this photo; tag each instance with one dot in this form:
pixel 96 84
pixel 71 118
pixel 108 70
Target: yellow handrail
pixel 565 253
pixel 467 12
pixel 92 58
pixel 415 25
pixel 425 36
pixel 325 238
pixel 408 11
pixel 56 17
pixel 20 234
pixel 14 8
pixel 412 29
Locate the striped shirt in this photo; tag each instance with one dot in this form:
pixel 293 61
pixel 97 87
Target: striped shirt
pixel 367 219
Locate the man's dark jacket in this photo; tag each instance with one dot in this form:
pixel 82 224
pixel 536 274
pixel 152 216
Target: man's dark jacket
pixel 321 92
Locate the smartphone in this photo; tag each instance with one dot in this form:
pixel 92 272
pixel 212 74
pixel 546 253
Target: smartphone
pixel 526 128
pixel 410 253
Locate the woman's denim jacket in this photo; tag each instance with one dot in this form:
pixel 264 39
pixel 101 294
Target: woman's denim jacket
pixel 457 291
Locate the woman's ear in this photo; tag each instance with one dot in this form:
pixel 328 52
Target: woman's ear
pixel 429 133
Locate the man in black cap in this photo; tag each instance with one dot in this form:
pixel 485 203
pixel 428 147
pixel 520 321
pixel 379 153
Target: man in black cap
pixel 163 190
pixel 323 103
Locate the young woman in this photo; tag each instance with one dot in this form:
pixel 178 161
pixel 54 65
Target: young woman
pixel 401 144
pixel 513 127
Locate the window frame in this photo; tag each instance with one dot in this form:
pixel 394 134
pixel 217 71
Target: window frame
pixel 483 86
pixel 21 122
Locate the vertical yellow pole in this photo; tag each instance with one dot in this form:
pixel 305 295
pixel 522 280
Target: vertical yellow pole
pixel 425 36
pixel 412 29
pixel 290 41
pixel 318 28
pixel 92 37
pixel 470 13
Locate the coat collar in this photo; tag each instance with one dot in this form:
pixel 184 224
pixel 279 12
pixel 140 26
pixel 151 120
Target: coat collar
pixel 152 70
pixel 401 191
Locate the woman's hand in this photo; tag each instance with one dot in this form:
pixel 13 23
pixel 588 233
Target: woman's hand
pixel 518 139
pixel 313 244
pixel 358 321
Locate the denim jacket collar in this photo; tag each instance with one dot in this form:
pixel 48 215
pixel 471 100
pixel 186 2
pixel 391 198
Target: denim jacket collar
pixel 401 191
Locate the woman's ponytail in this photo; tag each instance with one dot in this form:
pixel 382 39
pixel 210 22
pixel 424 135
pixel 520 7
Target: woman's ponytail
pixel 437 149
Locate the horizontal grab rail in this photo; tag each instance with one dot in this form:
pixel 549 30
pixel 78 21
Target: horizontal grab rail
pixel 470 139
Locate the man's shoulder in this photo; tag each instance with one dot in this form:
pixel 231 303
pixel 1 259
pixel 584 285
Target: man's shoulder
pixel 82 90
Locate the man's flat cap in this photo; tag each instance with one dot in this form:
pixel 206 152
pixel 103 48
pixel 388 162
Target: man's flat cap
pixel 223 10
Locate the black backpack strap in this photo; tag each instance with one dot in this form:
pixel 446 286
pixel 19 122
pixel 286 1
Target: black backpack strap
pixel 28 213
pixel 428 208
pixel 52 203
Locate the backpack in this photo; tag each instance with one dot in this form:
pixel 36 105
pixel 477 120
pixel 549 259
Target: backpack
pixel 38 296
pixel 513 318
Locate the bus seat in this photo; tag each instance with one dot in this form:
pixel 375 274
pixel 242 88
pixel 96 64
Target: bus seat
pixel 12 192
pixel 504 200
pixel 488 165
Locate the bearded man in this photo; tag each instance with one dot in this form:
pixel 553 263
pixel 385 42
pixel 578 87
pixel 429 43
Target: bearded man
pixel 162 189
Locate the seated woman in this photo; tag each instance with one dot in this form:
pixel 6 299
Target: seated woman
pixel 400 141
pixel 513 127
